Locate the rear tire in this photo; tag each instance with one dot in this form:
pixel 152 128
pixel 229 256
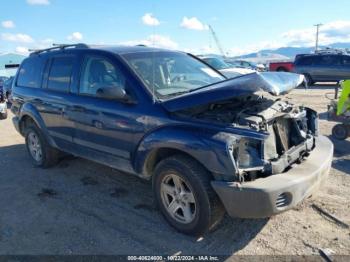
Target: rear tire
pixel 340 132
pixel 40 152
pixel 185 197
pixel 3 115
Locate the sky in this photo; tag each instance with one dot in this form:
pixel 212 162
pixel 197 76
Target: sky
pixel 241 26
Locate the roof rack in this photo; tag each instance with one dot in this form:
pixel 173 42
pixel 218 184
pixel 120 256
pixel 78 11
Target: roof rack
pixel 332 51
pixel 58 47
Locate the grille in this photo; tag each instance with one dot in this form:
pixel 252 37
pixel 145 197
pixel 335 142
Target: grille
pixel 283 200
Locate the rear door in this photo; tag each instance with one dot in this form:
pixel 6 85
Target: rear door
pixel 57 98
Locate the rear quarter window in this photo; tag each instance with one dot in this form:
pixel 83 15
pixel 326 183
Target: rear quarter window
pixel 30 73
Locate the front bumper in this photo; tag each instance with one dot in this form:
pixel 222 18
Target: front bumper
pixel 265 197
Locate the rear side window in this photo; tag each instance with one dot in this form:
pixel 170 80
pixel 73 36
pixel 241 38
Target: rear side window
pixel 305 61
pixel 60 74
pixel 30 73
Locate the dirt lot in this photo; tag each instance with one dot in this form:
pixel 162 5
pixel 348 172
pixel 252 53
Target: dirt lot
pixel 80 207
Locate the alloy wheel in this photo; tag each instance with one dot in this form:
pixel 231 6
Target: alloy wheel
pixel 178 198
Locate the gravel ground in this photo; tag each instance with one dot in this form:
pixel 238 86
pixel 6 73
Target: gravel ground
pixel 80 207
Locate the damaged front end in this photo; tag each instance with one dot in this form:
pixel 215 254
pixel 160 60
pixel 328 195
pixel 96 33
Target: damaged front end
pixel 290 130
pixel 291 137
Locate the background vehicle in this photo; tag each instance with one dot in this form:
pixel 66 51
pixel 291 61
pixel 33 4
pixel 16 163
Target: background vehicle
pixel 230 71
pixel 281 66
pixel 323 66
pixel 3 106
pixel 162 115
pixel 7 86
pixel 246 64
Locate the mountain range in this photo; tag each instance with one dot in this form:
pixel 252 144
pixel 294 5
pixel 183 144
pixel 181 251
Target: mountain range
pixel 285 53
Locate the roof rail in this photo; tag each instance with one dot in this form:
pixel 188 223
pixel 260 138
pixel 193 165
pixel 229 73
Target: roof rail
pixel 58 47
pixel 332 51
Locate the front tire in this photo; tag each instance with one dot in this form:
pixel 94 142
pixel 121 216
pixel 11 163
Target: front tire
pixel 40 152
pixel 185 197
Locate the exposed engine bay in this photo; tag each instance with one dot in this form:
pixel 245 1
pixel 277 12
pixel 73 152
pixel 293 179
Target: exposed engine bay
pixel 291 132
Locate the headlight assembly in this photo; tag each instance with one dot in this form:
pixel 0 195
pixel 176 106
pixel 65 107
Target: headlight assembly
pixel 247 154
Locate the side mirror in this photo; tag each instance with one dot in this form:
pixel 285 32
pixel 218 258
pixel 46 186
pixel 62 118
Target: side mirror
pixel 113 92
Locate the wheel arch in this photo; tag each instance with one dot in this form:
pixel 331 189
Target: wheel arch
pixel 170 141
pixel 156 155
pixel 29 115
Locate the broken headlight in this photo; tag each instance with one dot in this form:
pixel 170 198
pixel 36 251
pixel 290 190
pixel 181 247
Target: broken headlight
pixel 247 154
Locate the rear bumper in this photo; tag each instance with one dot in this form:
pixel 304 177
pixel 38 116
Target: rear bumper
pixel 265 197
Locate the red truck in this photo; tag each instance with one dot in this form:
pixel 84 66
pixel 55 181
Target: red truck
pixel 281 66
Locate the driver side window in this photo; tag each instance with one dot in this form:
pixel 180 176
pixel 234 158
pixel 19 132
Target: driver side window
pixel 99 72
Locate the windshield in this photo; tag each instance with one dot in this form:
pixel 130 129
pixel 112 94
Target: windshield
pixel 217 63
pixel 168 74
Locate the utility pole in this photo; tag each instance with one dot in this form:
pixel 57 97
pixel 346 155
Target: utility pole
pixel 317 32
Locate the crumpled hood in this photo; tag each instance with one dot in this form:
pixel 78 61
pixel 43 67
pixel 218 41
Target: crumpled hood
pixel 242 71
pixel 235 72
pixel 275 83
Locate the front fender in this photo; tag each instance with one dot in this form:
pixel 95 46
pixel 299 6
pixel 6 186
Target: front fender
pixel 28 110
pixel 208 148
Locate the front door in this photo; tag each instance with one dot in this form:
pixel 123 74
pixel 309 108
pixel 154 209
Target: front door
pixel 104 128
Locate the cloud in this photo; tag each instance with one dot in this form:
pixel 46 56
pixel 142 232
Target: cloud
pixel 332 32
pixel 193 24
pixel 155 41
pixel 76 36
pixel 237 51
pixel 149 19
pixel 22 50
pixel 300 37
pixel 38 2
pixel 8 24
pixel 19 38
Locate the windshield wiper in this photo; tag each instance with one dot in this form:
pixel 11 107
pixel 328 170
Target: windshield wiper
pixel 177 93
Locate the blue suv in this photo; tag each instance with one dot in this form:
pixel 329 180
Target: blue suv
pixel 209 144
